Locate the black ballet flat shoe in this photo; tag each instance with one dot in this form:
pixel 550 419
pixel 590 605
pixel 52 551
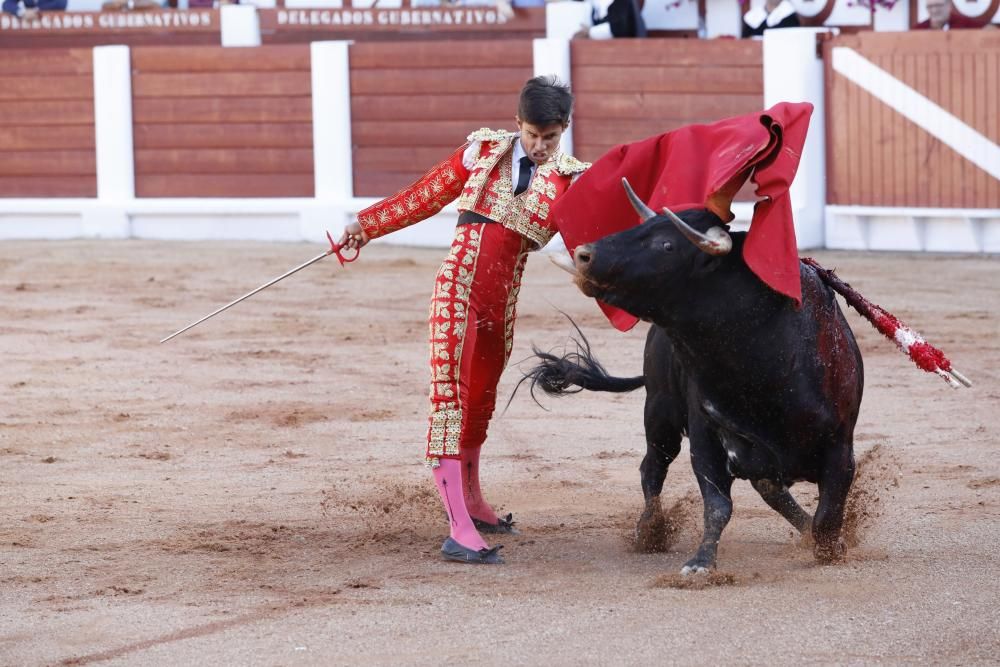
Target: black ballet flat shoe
pixel 504 525
pixel 452 550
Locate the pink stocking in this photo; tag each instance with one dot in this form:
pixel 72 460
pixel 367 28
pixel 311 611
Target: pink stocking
pixel 448 477
pixel 474 501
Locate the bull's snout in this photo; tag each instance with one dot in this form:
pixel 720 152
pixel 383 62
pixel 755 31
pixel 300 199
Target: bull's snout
pixel 583 256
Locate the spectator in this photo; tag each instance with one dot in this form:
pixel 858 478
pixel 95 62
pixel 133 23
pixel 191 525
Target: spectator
pixel 942 16
pixel 30 9
pixel 134 6
pixel 614 18
pixel 772 14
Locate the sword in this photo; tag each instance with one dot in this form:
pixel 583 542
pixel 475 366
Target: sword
pixel 334 250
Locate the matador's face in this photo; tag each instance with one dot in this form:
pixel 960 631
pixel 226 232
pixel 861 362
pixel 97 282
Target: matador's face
pixel 540 142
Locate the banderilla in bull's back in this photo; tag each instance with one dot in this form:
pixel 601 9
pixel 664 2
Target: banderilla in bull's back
pixel 923 354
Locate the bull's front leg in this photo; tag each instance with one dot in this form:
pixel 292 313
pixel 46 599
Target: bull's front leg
pixel 708 459
pixel 834 485
pixel 663 444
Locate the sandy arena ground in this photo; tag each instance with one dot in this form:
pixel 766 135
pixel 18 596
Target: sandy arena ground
pixel 252 493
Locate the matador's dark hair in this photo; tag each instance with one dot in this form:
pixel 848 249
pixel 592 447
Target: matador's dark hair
pixel 545 101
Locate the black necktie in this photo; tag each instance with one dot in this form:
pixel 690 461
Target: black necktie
pixel 523 176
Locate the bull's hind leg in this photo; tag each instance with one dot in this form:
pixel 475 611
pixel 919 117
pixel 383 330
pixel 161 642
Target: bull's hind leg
pixel 778 497
pixel 663 444
pixel 708 459
pixel 834 485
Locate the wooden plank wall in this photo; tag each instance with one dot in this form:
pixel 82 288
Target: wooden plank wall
pixel 628 90
pixel 47 132
pixel 875 157
pixel 413 104
pixel 215 122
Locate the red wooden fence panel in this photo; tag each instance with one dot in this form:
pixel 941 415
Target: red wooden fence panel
pixel 413 104
pixel 630 89
pixel 47 134
pixel 215 122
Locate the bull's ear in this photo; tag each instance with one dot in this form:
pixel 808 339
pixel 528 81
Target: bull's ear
pixel 720 202
pixel 640 207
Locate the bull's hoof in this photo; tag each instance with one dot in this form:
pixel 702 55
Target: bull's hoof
pixel 830 552
pixel 651 532
pixel 697 565
pixel 504 525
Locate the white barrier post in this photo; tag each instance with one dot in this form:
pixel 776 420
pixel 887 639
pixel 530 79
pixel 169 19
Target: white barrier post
pixel 552 56
pixel 332 146
pixel 113 144
pixel 240 25
pixel 565 19
pixel 793 72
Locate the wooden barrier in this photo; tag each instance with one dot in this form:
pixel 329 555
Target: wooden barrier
pixel 213 122
pixel 878 157
pixel 627 89
pixel 47 134
pixel 413 104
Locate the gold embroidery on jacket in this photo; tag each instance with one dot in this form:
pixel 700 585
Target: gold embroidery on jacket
pixel 528 212
pixel 486 134
pixel 480 172
pixel 510 313
pixel 569 165
pixel 417 202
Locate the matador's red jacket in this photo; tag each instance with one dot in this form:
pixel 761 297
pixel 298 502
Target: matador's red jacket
pixel 485 188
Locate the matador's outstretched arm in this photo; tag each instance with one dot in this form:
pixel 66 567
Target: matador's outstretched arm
pixel 419 201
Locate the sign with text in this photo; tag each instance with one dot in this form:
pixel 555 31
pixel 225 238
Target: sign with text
pixel 112 22
pixel 357 23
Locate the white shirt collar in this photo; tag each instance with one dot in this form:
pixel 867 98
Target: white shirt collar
pixel 519 151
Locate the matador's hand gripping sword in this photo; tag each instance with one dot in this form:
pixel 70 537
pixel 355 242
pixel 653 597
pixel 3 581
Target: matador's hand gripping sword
pixel 334 250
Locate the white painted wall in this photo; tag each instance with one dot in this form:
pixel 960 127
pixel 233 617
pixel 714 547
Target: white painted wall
pixel 913 229
pixel 240 25
pixel 794 73
pixel 565 18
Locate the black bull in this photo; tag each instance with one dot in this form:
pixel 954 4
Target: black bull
pixel 764 391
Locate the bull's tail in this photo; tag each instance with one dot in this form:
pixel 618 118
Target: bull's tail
pixel 922 353
pixel 574 372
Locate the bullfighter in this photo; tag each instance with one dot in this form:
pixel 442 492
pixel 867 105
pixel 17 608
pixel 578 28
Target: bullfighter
pixel 505 184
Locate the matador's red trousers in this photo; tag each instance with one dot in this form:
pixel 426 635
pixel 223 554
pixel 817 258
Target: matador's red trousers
pixel 471 332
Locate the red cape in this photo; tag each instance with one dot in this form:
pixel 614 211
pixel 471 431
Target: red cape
pixel 700 166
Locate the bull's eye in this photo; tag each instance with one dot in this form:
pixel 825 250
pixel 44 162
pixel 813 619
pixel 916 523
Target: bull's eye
pixel 668 246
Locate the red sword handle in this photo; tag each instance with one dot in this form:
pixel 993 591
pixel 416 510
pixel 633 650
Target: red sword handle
pixel 335 249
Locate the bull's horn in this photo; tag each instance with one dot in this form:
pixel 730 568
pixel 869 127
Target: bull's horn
pixel 713 242
pixel 564 263
pixel 640 207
